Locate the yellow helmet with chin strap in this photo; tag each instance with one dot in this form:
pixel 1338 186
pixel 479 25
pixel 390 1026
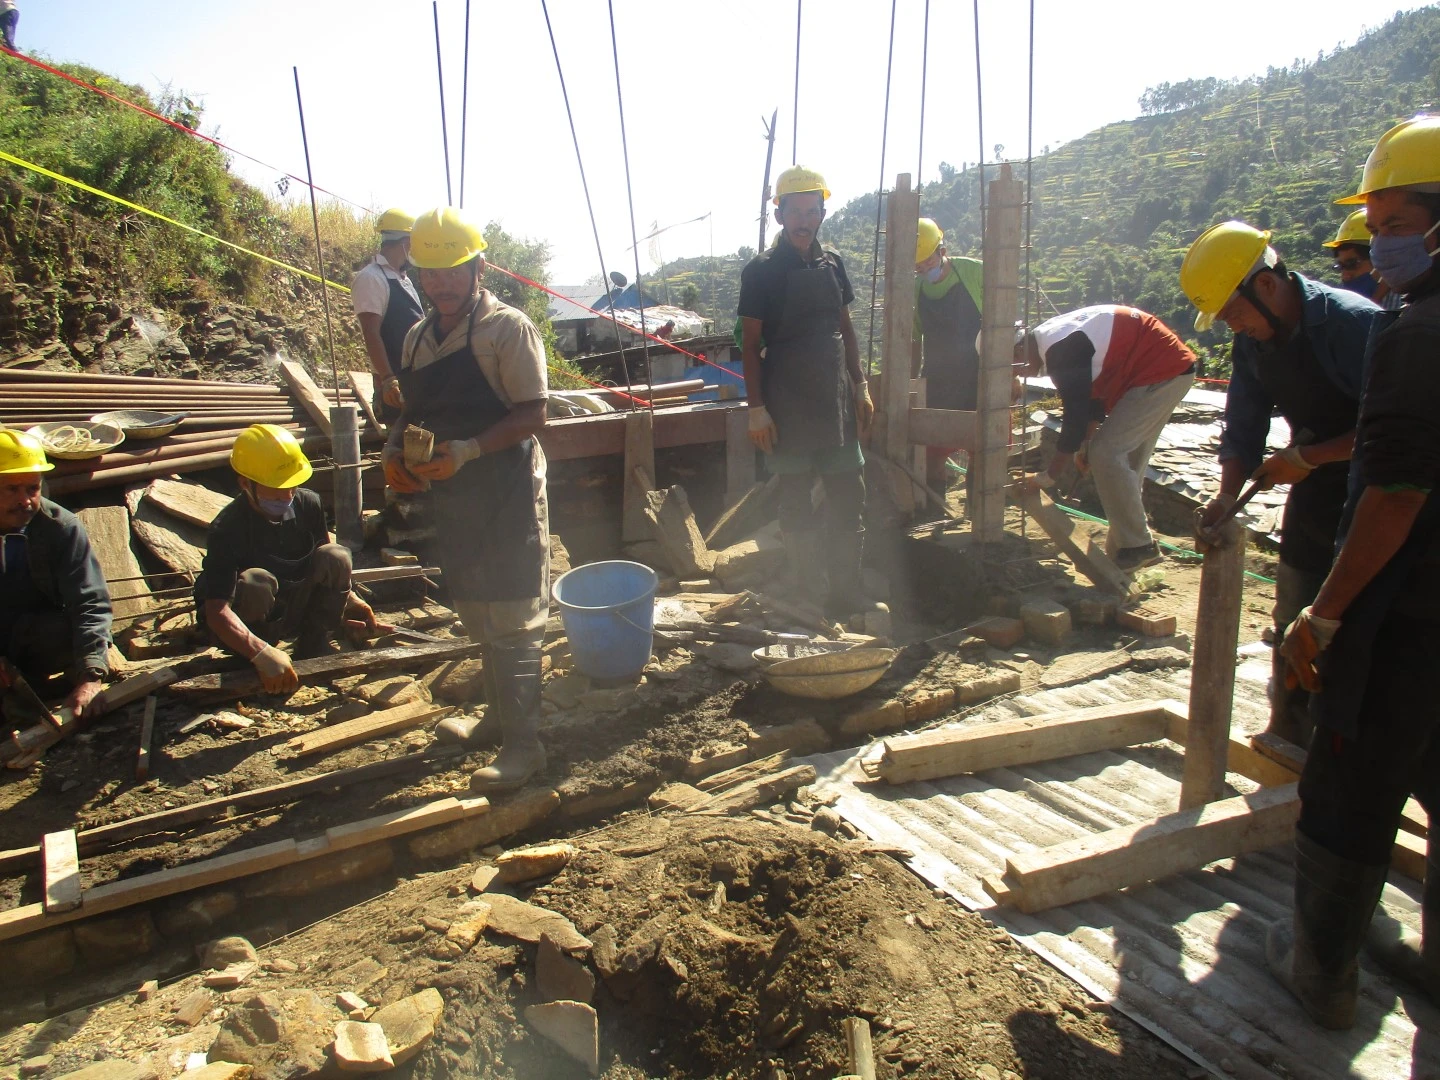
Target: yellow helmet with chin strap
pixel 445 237
pixel 21 453
pixel 1219 260
pixel 929 237
pixel 798 180
pixel 1406 155
pixel 270 456
pixel 1352 231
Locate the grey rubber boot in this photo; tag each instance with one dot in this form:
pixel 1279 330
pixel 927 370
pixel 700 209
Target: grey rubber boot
pixel 1316 954
pixel 844 556
pixel 471 730
pixel 517 700
pixel 807 567
pixel 1404 953
pixel 324 613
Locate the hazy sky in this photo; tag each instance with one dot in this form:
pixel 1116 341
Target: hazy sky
pixel 697 78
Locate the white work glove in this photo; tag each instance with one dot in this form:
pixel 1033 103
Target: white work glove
pixel 762 429
pixel 463 450
pixel 1039 481
pixel 277 674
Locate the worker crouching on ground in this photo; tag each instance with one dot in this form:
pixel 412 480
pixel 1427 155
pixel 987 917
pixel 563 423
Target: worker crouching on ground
pixel 1366 646
pixel 1120 373
pixel 808 401
pixel 54 604
pixel 1352 261
pixel 1299 349
pixel 387 306
pixel 270 571
pixel 473 374
pixel 948 292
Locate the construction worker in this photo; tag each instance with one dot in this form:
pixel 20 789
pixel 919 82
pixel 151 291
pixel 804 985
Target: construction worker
pixel 1352 261
pixel 1366 645
pixel 270 569
pixel 1120 373
pixel 54 604
pixel 1299 348
pixel 808 400
pixel 948 291
pixel 9 20
pixel 387 306
pixel 473 374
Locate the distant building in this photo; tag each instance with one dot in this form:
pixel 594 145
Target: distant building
pixel 575 330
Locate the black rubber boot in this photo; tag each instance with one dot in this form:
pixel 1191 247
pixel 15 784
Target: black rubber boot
pixel 471 730
pixel 1316 954
pixel 843 557
pixel 517 700
pixel 807 567
pixel 1404 953
pixel 324 613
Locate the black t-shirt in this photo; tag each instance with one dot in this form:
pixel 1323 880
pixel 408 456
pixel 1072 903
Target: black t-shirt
pixel 241 539
pixel 1068 365
pixel 764 280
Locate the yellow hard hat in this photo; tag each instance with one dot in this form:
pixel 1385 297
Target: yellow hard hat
pixel 1218 261
pixel 927 239
pixel 270 456
pixel 394 220
pixel 21 453
pixel 1352 231
pixel 797 180
pixel 1407 154
pixel 443 238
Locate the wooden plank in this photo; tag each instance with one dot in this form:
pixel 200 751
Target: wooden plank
pixel 179 545
pixel 371 574
pixel 1408 855
pixel 400 822
pixel 364 728
pixel 639 474
pixel 310 396
pixel 147 732
pixel 739 457
pixel 941 427
pixel 363 383
pixel 758 792
pixel 1240 757
pixel 751 770
pixel 235 684
pixel 859 1054
pixel 1060 527
pixel 672 523
pixel 1023 741
pixel 902 216
pixel 1212 672
pixel 62 871
pixel 1151 850
pixel 108 528
pixel 134 688
pixel 187 501
pixel 599 435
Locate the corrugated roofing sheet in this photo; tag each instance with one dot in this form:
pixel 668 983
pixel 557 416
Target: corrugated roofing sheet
pixel 1185 957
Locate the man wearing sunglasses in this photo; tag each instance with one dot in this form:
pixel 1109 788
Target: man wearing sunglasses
pixel 1352 262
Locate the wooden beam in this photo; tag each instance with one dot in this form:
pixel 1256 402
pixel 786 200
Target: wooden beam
pixel 308 394
pixel 1212 672
pixel 1409 855
pixel 1089 560
pixel 941 427
pixel 400 822
pixel 1007 743
pixel 1001 306
pixel 147 732
pixel 671 522
pixel 739 457
pixel 118 695
pixel 1240 758
pixel 62 871
pixel 371 574
pixel 364 728
pixel 599 435
pixel 902 220
pixel 639 475
pixel 363 383
pixel 859 1053
pixel 761 791
pixel 1118 858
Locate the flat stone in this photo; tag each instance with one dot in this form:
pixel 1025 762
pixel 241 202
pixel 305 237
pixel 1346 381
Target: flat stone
pixel 529 863
pixel 362 974
pixel 484 876
pixel 410 1022
pixel 36 1065
pixel 390 692
pixel 727 656
pixel 351 1003
pixel 677 796
pixel 1166 656
pixel 115 1069
pixel 571 1025
pixel 226 951
pixel 194 1007
pixel 114 939
pixel 802 737
pixel 148 989
pixel 281 966
pixel 221 1070
pixel 281 1033
pixel 196 915
pixel 559 977
pixel 514 918
pixel 361 1047
pixel 231 975
pixel 1045 620
pixel 466 932
pixel 43 954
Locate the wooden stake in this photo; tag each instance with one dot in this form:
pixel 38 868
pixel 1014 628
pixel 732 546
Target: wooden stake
pixel 902 222
pixel 309 394
pixel 62 871
pixel 639 454
pixel 859 1054
pixel 147 730
pixel 1212 674
pixel 739 457
pixel 345 449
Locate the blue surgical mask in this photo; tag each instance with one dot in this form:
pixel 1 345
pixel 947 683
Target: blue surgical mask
pixel 1365 284
pixel 277 509
pixel 933 276
pixel 1399 260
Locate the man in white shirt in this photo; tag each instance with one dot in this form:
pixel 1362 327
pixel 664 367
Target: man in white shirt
pixel 9 19
pixel 387 306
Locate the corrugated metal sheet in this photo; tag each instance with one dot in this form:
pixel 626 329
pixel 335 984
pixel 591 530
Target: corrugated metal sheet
pixel 1184 957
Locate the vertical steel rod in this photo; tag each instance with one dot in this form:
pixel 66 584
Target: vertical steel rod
pixel 319 254
pixel 444 128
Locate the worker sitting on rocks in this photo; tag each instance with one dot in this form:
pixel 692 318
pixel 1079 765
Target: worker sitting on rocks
pixel 1299 350
pixel 1120 373
pixel 387 306
pixel 270 570
pixel 473 376
pixel 54 604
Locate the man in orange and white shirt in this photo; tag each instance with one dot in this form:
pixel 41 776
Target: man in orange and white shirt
pixel 1120 373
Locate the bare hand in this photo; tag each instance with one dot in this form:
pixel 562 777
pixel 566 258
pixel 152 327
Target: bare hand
pixel 361 616
pixel 81 697
pixel 391 394
pixel 864 411
pixel 762 429
pixel 1082 461
pixel 399 478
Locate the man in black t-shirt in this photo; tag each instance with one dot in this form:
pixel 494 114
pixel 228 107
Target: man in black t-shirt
pixel 270 570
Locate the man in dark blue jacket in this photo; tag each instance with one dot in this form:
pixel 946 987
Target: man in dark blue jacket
pixel 54 604
pixel 1299 350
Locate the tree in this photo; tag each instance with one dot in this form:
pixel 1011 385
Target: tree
pixel 690 296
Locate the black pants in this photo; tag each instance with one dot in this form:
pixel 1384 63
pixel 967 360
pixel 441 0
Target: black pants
pixel 41 644
pixel 1353 790
pixel 272 609
pixel 844 502
pixel 8 21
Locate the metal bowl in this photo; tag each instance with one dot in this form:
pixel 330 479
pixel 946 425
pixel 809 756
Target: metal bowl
pixel 770 655
pixel 105 438
pixel 141 423
pixel 830 674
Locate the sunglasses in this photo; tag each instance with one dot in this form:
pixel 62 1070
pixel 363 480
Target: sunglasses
pixel 1352 264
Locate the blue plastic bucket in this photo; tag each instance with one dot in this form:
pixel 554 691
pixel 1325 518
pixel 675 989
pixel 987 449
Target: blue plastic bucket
pixel 608 609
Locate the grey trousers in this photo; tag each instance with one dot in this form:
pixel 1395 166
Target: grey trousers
pixel 1121 449
pixel 514 624
pixel 258 591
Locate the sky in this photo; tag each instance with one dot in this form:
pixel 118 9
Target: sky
pixel 696 78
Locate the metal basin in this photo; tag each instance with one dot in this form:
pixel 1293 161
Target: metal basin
pixel 830 674
pixel 141 423
pixel 66 439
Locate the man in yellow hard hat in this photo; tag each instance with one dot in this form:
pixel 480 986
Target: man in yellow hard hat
pixel 1352 262
pixel 809 403
pixel 387 306
pixel 1367 645
pixel 271 571
pixel 473 375
pixel 948 292
pixel 1298 350
pixel 54 604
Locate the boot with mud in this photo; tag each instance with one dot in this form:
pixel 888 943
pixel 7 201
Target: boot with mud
pixel 1315 955
pixel 471 730
pixel 517 678
pixel 324 614
pixel 804 558
pixel 1413 957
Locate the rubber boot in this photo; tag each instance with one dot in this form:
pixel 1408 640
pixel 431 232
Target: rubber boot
pixel 807 568
pixel 471 730
pixel 1316 954
pixel 324 612
pixel 517 700
pixel 843 559
pixel 1404 953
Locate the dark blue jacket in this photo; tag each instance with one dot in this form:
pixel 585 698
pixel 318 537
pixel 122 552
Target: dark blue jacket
pixel 1337 323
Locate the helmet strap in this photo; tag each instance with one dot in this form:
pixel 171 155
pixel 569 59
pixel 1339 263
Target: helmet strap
pixel 1247 290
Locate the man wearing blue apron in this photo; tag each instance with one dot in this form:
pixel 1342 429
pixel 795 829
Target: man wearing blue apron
pixel 473 374
pixel 1366 646
pixel 808 400
pixel 387 306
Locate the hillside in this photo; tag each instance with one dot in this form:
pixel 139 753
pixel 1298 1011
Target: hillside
pixel 1114 211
